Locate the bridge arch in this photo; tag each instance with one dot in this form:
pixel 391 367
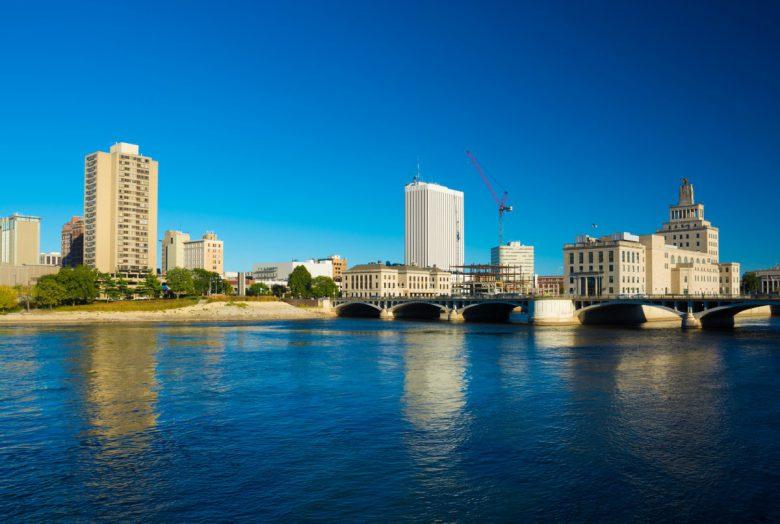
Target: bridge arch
pixel 723 316
pixel 491 311
pixel 625 312
pixel 358 309
pixel 418 309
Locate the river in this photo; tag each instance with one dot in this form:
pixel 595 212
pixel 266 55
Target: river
pixel 354 420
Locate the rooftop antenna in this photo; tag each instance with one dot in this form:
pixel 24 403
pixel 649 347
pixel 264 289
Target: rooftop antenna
pixel 418 175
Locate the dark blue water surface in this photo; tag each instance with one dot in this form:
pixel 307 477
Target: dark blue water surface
pixel 367 420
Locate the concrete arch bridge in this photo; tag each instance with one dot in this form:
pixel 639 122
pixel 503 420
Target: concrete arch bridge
pixel 690 311
pixel 453 309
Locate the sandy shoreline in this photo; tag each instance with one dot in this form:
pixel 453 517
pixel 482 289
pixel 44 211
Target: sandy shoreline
pixel 204 312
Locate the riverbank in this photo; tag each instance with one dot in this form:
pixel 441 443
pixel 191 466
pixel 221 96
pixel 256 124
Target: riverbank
pixel 199 312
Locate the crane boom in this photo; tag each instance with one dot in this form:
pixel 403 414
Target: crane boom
pixel 484 177
pixel 501 203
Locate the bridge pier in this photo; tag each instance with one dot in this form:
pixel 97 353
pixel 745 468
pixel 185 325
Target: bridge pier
pixel 386 314
pixel 455 315
pixel 689 321
pixel 444 315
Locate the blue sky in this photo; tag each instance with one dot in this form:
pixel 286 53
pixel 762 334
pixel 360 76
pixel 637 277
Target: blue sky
pixel 290 128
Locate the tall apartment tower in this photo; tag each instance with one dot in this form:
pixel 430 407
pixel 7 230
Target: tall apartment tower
pixel 687 228
pixel 20 240
pixel 173 250
pixel 434 226
pixel 120 211
pixel 72 242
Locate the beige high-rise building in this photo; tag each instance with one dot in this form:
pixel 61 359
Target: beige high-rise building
pixel 120 211
pixel 206 253
pixel 20 240
pixel 173 250
pixel 687 228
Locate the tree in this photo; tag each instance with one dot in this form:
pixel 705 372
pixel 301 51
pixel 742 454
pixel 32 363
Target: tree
pixel 25 295
pixel 9 298
pixel 151 286
pixel 750 283
pixel 80 284
pixel 48 292
pixel 278 290
pixel 180 281
pixel 299 282
pixel 227 288
pixel 258 289
pixel 124 289
pixel 323 287
pixel 109 287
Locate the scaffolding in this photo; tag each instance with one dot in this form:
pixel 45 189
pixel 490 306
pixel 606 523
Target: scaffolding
pixel 488 279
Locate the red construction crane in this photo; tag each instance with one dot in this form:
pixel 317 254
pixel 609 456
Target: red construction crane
pixel 501 203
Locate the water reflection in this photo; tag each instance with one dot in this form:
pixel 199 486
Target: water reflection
pixel 121 386
pixel 434 401
pixel 663 406
pixel 434 382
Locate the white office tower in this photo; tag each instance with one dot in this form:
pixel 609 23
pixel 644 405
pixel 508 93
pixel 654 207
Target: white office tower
pixel 434 226
pixel 515 255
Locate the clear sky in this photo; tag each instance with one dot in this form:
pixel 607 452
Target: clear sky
pixel 290 128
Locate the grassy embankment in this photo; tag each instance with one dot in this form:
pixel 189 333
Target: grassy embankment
pixel 132 305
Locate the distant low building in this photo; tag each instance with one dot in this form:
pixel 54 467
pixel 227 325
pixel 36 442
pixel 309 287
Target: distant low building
pixel 551 285
pixel 769 280
pixel 50 259
pixel 271 273
pixel 339 266
pixel 25 274
pixel 380 280
pixel 206 253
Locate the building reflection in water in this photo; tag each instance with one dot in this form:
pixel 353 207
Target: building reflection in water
pixel 434 402
pixel 651 401
pixel 121 387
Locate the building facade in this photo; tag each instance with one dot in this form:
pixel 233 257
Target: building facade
pixel 206 253
pixel 433 226
pixel 686 228
pixel 769 280
pixel 120 211
pixel 20 240
pixel 548 285
pixel 50 259
pixel 519 259
pixel 25 274
pixel 173 250
pixel 72 242
pixel 271 273
pixel 339 266
pixel 381 280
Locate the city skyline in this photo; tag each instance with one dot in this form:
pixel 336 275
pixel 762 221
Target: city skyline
pixel 579 130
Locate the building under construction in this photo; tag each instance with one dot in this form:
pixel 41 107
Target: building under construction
pixel 488 279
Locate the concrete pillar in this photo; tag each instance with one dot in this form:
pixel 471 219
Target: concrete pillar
pixel 689 320
pixel 455 315
pixel 386 314
pixel 444 315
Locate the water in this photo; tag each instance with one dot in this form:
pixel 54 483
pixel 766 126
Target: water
pixel 368 420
